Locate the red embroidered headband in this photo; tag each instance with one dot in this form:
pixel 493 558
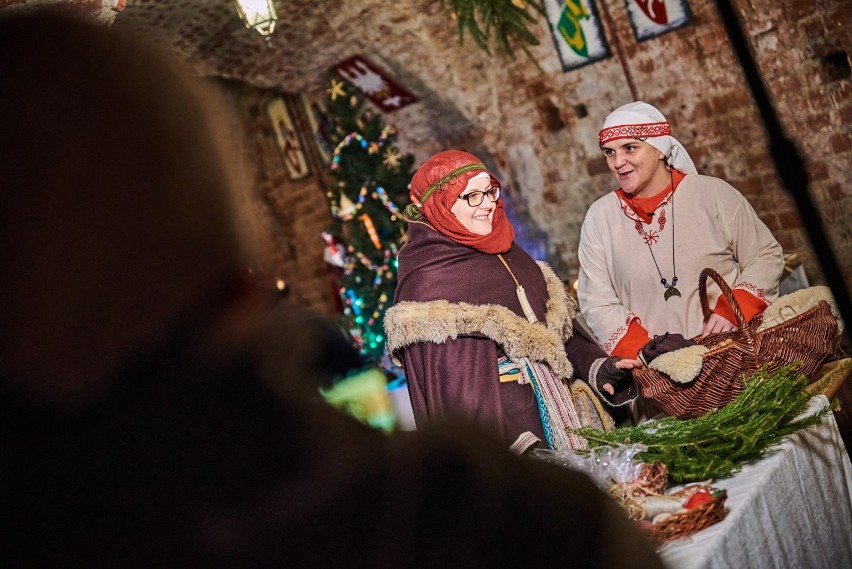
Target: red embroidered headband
pixel 640 131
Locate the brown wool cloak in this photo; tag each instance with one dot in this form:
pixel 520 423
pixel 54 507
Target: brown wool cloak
pixel 456 310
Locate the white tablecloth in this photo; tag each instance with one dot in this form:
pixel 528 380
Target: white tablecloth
pixel 793 509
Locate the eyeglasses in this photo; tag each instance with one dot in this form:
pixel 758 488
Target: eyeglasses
pixel 475 199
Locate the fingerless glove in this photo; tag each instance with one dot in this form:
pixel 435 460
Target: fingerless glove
pixel 662 344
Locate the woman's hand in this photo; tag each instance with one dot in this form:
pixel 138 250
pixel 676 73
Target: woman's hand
pixel 717 324
pixel 616 371
pixel 624 363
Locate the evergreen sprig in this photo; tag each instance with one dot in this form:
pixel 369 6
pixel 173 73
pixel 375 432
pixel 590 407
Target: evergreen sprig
pixel 506 21
pixel 718 444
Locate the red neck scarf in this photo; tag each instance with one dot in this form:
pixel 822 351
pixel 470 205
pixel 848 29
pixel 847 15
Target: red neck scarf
pixel 643 207
pixel 435 188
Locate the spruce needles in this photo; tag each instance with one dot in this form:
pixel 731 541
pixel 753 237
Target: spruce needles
pixel 717 444
pixel 504 21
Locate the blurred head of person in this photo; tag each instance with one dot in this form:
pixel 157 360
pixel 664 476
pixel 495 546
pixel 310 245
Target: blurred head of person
pixel 118 228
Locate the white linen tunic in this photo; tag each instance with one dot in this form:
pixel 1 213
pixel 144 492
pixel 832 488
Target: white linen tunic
pixel 712 225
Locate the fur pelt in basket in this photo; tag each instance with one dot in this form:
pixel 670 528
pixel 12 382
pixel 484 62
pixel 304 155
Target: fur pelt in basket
pixel 796 303
pixel 681 365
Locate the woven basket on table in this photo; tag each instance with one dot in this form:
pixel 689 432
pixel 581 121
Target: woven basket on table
pixel 653 479
pixel 687 523
pixel 807 338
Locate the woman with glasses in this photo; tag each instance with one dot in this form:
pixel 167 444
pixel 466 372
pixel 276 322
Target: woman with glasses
pixel 483 331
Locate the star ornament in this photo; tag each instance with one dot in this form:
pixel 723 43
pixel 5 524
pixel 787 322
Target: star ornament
pixel 374 148
pixel 336 90
pixel 392 157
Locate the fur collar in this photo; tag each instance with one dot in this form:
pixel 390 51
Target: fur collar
pixel 438 321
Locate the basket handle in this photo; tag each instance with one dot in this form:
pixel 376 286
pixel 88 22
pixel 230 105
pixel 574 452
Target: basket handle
pixel 726 290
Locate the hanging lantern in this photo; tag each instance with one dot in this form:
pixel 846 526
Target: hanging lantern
pixel 258 15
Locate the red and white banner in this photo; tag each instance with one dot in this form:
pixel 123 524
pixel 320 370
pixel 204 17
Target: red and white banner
pixel 380 89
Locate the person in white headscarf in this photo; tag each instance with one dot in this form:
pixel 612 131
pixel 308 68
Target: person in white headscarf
pixel 643 246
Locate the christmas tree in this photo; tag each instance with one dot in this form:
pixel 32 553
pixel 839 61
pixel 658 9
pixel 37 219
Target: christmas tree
pixel 369 192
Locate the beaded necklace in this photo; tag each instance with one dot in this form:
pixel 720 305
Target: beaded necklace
pixel 670 289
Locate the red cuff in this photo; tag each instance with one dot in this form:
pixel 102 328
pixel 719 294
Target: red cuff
pixel 749 304
pixel 628 347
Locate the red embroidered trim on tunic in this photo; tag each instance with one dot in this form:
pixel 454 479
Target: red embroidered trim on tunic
pixel 649 237
pixel 634 131
pixel 753 289
pixel 619 333
pixel 662 219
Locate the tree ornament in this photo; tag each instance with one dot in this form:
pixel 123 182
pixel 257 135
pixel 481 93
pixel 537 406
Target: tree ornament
pixel 334 253
pixel 371 230
pixel 336 89
pixel 366 198
pixel 392 159
pixel 347 207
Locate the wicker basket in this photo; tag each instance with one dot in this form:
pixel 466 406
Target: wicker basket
pixel 653 479
pixel 807 338
pixel 687 523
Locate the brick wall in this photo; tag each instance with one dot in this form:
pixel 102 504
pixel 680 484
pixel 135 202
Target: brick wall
pixel 539 129
pixel 536 126
pixel 802 50
pixel 285 217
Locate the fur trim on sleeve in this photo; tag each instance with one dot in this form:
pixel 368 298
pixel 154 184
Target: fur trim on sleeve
pixel 438 321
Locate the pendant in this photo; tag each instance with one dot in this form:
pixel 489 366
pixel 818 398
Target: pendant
pixel 670 292
pixel 525 305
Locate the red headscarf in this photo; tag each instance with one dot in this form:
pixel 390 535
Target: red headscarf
pixel 434 190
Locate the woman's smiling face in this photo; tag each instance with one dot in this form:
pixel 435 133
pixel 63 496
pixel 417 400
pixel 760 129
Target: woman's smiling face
pixel 638 166
pixel 476 219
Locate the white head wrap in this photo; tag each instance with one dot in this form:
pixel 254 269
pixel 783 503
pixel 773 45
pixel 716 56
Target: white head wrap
pixel 643 121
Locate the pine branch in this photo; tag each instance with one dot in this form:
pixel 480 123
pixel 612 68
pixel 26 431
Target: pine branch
pixel 719 443
pixel 504 21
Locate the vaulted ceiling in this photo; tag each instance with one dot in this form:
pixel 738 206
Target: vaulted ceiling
pixel 311 35
pixel 414 41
